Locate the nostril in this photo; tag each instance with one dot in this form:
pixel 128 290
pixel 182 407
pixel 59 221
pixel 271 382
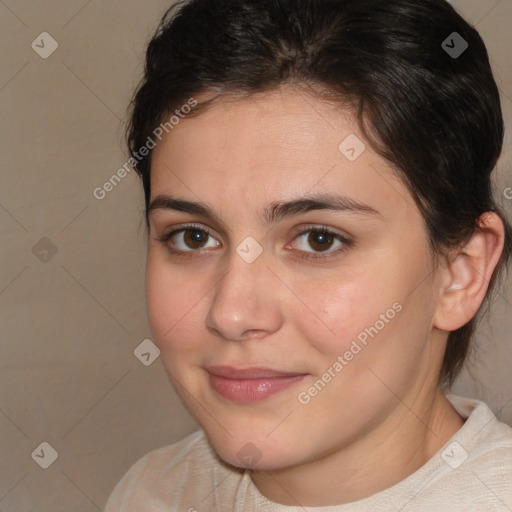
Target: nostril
pixel 254 333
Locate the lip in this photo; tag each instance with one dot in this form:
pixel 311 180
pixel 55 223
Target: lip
pixel 250 384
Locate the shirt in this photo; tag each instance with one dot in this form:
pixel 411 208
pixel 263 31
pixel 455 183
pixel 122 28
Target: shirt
pixel 472 472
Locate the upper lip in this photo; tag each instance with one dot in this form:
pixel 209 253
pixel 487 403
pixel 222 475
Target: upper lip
pixel 249 373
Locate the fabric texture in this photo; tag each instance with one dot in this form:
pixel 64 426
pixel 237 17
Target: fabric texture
pixel 472 472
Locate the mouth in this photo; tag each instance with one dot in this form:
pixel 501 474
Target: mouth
pixel 250 384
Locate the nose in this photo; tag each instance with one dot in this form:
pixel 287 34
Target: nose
pixel 246 303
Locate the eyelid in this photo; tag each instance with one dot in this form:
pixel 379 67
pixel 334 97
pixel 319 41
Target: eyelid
pixel 189 225
pixel 320 227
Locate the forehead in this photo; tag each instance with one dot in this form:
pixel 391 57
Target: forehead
pixel 278 124
pixel 269 147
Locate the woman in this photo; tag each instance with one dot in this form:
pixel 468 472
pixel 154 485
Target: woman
pixel 322 235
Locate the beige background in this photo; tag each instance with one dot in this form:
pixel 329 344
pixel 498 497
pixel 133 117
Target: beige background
pixel 70 325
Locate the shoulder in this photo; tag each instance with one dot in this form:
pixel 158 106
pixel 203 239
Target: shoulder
pixel 475 467
pixel 170 477
pixel 483 434
pixel 471 472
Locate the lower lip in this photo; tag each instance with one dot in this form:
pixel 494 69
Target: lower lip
pixel 251 390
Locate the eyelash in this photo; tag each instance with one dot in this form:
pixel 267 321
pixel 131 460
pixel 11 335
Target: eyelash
pixel 347 243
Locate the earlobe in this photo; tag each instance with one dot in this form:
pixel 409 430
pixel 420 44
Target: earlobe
pixel 468 273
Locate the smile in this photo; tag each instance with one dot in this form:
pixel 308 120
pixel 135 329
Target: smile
pixel 252 384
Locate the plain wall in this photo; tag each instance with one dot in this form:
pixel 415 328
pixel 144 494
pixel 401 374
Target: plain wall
pixel 68 374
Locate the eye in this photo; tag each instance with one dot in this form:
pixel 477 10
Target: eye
pixel 322 240
pixel 188 239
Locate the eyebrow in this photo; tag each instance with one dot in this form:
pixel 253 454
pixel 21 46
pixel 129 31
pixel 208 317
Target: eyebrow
pixel 275 211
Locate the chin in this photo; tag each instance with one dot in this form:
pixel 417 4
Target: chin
pixel 251 451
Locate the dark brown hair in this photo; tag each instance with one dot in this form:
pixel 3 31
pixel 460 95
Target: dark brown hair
pixel 434 115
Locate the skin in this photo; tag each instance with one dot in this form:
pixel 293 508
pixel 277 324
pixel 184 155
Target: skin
pixel 383 416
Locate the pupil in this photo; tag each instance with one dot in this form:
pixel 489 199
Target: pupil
pixel 320 240
pixel 194 238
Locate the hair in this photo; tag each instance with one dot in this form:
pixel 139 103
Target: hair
pixel 435 117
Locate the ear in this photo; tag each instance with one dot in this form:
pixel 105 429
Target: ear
pixel 467 274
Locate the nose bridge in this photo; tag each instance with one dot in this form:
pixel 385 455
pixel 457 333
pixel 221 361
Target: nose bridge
pixel 243 300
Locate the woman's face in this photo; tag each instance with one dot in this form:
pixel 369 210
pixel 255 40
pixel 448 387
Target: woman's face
pixel 335 330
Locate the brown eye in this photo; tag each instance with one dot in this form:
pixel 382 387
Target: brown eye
pixel 320 240
pixel 188 240
pixel 195 238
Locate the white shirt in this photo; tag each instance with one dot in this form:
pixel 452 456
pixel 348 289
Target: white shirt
pixel 472 472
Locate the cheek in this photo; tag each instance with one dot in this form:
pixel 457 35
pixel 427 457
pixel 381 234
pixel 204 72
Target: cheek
pixel 371 318
pixel 174 300
pixel 341 309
